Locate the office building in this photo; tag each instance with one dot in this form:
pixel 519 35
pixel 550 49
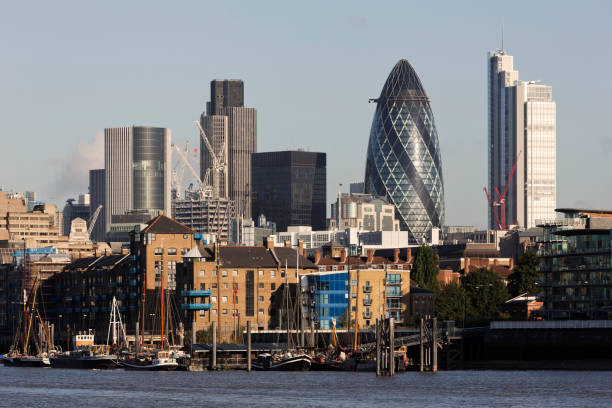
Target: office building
pixel 137 175
pixel 231 129
pixel 289 188
pixel 74 209
pixel 576 264
pixel 521 130
pixel 403 157
pixel 96 198
pixel 363 212
pixel 208 216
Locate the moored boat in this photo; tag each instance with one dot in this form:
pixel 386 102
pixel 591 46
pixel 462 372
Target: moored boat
pixel 163 361
pixel 25 361
pixel 84 359
pixel 282 362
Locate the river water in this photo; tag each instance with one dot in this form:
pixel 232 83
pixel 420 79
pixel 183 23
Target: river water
pixel 50 387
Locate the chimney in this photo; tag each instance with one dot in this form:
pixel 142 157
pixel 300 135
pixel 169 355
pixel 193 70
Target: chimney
pixel 269 242
pixel 408 254
pixel 370 256
pixel 396 253
pixel 317 257
pixel 301 247
pixel 287 244
pixel 343 256
pixel 467 265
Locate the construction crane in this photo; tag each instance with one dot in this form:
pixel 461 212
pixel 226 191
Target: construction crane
pixel 93 219
pixel 219 164
pixel 501 199
pixel 204 188
pixel 177 174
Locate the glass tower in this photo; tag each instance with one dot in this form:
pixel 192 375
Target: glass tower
pixel 403 158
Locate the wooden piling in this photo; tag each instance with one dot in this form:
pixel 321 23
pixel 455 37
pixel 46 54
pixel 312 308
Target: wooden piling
pixel 391 346
pixel 249 346
pixel 421 348
pixel 137 338
pixel 434 346
pixel 377 348
pixel 214 346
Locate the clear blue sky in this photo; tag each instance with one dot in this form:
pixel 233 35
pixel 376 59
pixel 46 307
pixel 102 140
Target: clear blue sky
pixel 70 69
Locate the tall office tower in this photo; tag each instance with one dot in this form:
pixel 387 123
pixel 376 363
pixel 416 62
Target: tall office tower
pixel 403 158
pixel 521 130
pixel 240 135
pixel 289 188
pixel 137 176
pixel 96 198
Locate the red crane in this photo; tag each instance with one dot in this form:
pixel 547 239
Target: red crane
pixel 501 198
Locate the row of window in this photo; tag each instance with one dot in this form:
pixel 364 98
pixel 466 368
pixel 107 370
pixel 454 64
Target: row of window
pixel 224 273
pixel 260 285
pixel 213 312
pixel 170 251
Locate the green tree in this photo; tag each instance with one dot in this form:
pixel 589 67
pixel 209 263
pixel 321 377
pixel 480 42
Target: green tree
pixel 486 293
pixel 425 268
pixel 452 302
pixel 525 274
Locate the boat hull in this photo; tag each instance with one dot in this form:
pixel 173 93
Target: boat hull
pixel 26 361
pixel 87 363
pixel 150 367
pixel 298 363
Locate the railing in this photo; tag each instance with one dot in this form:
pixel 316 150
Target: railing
pixel 367 315
pixel 553 324
pixel 196 306
pixel 196 293
pixel 367 302
pixel 367 289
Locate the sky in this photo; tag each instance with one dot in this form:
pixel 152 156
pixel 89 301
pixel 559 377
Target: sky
pixel 71 69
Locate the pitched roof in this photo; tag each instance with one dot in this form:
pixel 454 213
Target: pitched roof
pixel 289 256
pixel 165 225
pixel 246 256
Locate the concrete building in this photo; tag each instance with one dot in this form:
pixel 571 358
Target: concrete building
pixel 97 187
pixel 522 125
pixel 73 209
pixel 232 132
pixel 208 216
pixel 289 188
pixel 576 264
pixel 363 212
pixel 247 232
pixel 18 227
pixel 233 285
pixel 137 173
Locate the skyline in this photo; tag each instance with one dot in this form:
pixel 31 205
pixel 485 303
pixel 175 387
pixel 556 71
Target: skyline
pixel 60 90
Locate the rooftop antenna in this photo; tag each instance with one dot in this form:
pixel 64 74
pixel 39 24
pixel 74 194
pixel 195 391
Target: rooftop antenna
pixel 502 33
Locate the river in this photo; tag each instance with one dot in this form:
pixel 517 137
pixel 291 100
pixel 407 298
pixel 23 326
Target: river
pixel 48 387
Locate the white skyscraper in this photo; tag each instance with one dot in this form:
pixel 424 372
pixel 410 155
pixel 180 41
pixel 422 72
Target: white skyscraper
pixel 522 129
pixel 137 174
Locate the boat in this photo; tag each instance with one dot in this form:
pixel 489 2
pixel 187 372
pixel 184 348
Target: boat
pixel 25 361
pixel 84 359
pixel 163 361
pixel 282 362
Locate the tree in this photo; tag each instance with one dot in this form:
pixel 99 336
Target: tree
pixel 525 274
pixel 486 293
pixel 452 302
pixel 425 268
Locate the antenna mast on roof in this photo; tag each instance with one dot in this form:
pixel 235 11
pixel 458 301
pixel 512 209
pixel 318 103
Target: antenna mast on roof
pixel 502 33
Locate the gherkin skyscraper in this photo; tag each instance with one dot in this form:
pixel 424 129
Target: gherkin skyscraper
pixel 403 159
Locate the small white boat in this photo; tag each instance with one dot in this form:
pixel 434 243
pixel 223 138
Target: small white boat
pixel 163 361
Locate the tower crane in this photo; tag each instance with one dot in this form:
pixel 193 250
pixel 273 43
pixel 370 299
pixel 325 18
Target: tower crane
pixel 219 164
pixel 501 198
pixel 177 174
pixel 93 219
pixel 204 188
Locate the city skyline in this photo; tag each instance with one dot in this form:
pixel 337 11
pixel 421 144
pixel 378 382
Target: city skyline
pixel 314 119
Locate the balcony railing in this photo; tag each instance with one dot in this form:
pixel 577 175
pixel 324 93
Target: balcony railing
pixel 367 302
pixel 367 289
pixel 196 306
pixel 196 293
pixel 367 315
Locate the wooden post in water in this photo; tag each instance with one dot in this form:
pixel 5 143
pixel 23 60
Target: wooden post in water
pixel 421 350
pixel 249 346
pixel 137 338
pixel 391 346
pixel 434 346
pixel 377 348
pixel 214 346
pixel 312 334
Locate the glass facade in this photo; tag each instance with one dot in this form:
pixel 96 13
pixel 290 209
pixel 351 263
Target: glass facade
pixel 403 158
pixel 148 165
pixel 328 294
pixel 576 268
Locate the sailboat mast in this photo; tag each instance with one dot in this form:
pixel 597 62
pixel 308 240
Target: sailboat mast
pixel 287 299
pixel 162 298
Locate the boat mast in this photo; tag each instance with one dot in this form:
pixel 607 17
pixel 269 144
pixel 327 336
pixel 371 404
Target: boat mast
pixel 162 296
pixel 287 299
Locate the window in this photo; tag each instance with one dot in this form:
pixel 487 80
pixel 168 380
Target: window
pixel 353 308
pixel 260 299
pixel 225 286
pixel 282 274
pixel 201 273
pixel 202 313
pixel 234 273
pixel 214 285
pixel 260 312
pixel 214 312
pixel 273 274
pixel 224 274
pixel 158 251
pixel 214 272
pixel 353 282
pixel 213 299
pixel 171 251
pixel 185 236
pixel 184 251
pixel 224 299
pixel 224 311
pixel 202 286
pixel 260 285
pixel 261 273
pixel 273 286
pixel 354 295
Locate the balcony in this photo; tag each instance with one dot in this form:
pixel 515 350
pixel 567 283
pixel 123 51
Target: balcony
pixel 196 293
pixel 196 306
pixel 367 289
pixel 367 315
pixel 395 281
pixel 367 302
